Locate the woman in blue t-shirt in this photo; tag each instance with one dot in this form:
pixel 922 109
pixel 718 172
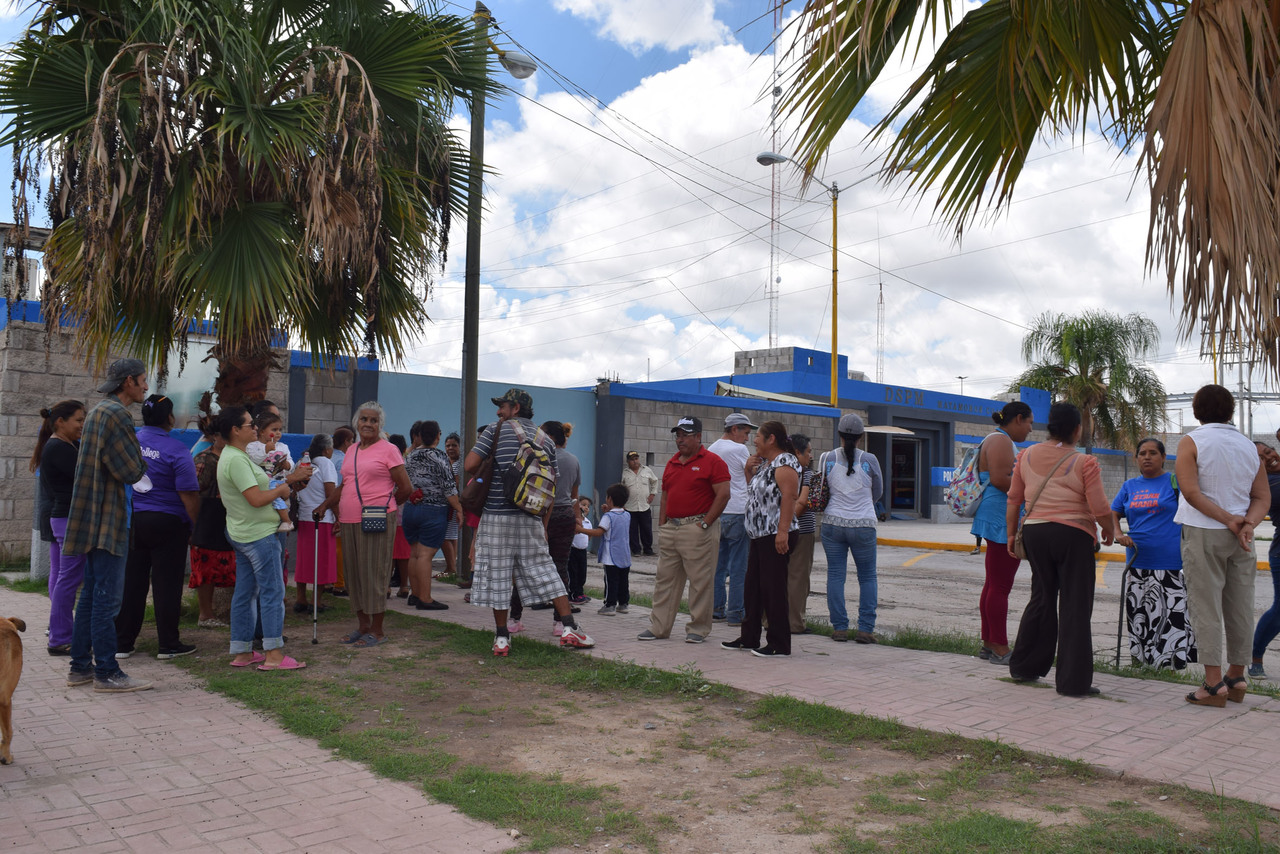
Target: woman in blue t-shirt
pixel 1155 596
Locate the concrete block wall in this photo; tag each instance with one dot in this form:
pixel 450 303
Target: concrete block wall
pixel 764 361
pixel 33 377
pixel 328 398
pixel 648 426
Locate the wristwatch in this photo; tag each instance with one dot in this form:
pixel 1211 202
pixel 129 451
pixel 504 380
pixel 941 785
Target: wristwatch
pixel 703 525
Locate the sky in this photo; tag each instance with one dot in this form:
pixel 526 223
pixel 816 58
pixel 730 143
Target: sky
pixel 627 231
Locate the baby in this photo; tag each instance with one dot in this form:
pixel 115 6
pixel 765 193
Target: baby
pixel 273 455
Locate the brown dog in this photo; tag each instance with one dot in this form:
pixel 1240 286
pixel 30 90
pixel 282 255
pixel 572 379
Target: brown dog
pixel 10 671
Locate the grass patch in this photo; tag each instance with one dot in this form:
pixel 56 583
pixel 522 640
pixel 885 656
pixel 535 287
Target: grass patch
pixel 1180 677
pixel 842 727
pixel 23 582
pixel 636 599
pixel 914 637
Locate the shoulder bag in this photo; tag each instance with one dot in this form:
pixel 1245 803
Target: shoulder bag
pixel 1018 548
pixel 373 517
pixel 476 491
pixel 820 487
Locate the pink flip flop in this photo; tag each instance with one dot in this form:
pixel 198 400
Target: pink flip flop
pixel 258 658
pixel 286 663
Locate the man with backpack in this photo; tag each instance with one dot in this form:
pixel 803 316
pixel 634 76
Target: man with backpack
pixel 511 542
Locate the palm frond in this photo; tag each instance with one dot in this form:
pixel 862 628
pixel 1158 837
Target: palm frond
pixel 1213 135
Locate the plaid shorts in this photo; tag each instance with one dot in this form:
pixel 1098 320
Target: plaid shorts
pixel 512 548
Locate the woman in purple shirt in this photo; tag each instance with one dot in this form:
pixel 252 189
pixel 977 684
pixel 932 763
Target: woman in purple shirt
pixel 164 503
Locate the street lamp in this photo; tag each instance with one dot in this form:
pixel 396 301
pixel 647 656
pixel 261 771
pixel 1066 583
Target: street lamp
pixel 771 158
pixel 962 379
pixel 520 66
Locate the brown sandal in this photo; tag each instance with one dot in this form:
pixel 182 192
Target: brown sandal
pixel 1237 687
pixel 1214 699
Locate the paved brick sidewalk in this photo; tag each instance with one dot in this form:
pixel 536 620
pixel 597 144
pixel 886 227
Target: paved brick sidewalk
pixel 179 769
pixel 1137 727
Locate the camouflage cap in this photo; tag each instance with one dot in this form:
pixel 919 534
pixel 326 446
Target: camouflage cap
pixel 518 396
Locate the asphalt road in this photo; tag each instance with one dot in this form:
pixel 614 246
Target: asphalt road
pixel 939 590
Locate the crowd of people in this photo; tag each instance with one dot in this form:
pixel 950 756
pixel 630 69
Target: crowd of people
pixel 1190 564
pixel 125 509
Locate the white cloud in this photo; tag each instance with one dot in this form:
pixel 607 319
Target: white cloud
pixel 639 25
pixel 597 262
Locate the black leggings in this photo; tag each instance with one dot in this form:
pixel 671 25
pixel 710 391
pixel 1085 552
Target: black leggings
pixel 158 560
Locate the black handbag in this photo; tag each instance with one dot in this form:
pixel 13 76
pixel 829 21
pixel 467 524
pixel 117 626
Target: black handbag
pixel 373 517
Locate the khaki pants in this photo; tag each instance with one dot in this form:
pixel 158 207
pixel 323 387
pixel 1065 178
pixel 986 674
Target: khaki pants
pixel 1220 577
pixel 798 571
pixel 685 553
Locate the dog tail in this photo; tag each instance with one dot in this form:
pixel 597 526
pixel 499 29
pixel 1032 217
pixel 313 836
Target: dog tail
pixel 18 624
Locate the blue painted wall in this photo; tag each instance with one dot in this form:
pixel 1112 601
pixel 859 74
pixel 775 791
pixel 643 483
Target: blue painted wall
pixel 410 397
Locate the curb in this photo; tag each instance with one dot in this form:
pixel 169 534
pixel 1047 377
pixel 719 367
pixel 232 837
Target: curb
pixel 921 545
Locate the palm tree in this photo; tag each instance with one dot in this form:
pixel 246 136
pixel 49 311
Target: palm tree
pixel 1093 361
pixel 1193 83
pixel 280 168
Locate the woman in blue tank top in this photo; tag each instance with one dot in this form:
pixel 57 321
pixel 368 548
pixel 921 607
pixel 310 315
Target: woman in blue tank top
pixel 996 456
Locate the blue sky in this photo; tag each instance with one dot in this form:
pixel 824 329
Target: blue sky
pixel 636 241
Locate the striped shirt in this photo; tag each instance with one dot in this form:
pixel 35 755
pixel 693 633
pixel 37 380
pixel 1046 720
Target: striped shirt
pixel 110 457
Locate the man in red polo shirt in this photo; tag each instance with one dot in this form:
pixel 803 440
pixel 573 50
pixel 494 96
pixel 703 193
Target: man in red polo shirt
pixel 695 490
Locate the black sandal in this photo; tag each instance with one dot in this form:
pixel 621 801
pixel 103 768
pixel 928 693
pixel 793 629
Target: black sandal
pixel 1237 687
pixel 1214 699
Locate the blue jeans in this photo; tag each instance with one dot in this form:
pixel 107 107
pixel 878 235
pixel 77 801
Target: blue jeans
pixel 1269 623
pixel 93 635
pixel 731 565
pixel 259 594
pixel 838 543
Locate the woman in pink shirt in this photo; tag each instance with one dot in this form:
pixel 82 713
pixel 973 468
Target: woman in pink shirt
pixel 373 475
pixel 1066 504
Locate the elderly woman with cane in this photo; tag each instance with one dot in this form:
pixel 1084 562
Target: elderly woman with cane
pixel 374 484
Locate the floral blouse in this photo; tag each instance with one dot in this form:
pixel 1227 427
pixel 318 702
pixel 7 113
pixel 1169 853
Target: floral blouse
pixel 764 498
pixel 431 470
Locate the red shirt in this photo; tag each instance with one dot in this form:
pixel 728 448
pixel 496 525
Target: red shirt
pixel 688 485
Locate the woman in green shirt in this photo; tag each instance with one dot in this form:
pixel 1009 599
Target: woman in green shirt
pixel 251 530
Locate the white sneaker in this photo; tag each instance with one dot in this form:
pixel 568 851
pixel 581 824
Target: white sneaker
pixel 576 638
pixel 515 626
pixel 501 645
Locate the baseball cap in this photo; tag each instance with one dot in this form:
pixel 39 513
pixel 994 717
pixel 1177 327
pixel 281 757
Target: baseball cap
pixel 688 424
pixel 119 371
pixel 737 419
pixel 518 396
pixel 633 454
pixel 851 423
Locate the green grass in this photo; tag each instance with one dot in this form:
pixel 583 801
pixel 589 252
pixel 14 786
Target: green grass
pixel 640 599
pixel 842 727
pixel 23 582
pixel 1107 664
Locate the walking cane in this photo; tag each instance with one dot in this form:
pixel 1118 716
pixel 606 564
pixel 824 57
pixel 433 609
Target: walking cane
pixel 315 586
pixel 1124 577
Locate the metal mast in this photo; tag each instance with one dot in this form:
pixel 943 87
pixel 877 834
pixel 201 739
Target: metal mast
pixel 771 286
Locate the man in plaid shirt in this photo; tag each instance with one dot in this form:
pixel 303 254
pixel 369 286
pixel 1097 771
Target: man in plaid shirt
pixel 98 526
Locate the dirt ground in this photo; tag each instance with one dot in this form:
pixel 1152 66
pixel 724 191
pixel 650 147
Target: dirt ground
pixel 701 771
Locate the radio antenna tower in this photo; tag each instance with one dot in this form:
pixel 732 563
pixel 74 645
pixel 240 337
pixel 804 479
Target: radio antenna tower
pixel 772 285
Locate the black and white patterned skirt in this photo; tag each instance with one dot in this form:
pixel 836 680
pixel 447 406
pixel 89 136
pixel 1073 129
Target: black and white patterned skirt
pixel 1160 634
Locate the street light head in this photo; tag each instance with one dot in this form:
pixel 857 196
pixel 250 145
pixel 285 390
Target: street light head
pixel 520 65
pixel 770 158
